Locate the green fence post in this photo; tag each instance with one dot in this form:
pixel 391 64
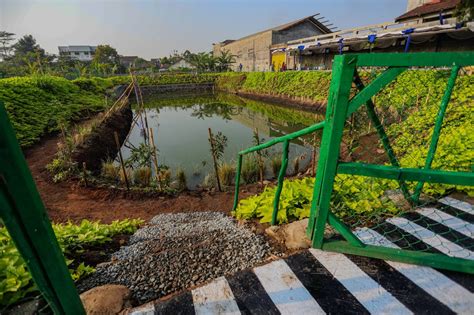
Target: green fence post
pixel 338 100
pixel 437 128
pixel 24 216
pixel 237 182
pixel 281 177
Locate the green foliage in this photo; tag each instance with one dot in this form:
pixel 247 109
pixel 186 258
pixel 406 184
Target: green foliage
pixel 219 144
pixel 39 105
pixel 250 169
pixel 181 178
pixel 353 196
pixel 275 163
pixel 408 109
pixel 166 78
pixel 227 173
pixel 15 279
pixel 417 95
pixel 142 176
pixel 295 202
pixel 140 157
pixel 313 85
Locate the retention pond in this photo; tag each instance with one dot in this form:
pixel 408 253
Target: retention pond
pixel 180 126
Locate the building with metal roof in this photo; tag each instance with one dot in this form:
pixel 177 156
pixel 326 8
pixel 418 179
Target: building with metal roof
pixel 252 52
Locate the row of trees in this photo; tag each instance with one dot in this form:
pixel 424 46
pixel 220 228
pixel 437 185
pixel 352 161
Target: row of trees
pixel 203 61
pixel 26 57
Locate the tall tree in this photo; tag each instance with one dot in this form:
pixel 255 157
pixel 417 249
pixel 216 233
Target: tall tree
pixel 27 44
pixel 107 55
pixel 465 10
pixel 5 44
pixel 225 60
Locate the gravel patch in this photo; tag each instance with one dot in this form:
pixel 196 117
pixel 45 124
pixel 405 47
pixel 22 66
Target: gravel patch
pixel 176 251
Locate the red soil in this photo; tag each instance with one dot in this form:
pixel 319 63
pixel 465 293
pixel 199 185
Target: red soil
pixel 70 201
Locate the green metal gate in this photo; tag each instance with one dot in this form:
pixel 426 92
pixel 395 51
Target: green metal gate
pixel 358 83
pixel 24 215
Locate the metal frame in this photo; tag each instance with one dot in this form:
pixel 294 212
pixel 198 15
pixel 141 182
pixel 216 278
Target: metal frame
pixel 340 106
pixel 24 216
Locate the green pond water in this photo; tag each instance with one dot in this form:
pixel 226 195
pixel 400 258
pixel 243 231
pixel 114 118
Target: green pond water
pixel 180 126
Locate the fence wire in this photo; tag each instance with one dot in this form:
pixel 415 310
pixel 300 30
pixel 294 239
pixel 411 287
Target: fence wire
pixel 376 209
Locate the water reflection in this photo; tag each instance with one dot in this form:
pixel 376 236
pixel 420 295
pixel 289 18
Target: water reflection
pixel 180 126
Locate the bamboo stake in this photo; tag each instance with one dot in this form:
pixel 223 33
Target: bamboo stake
pixel 155 155
pixel 139 107
pixel 117 142
pixel 216 168
pixel 142 104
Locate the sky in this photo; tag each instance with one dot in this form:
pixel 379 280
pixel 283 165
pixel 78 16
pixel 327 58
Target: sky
pixel 155 28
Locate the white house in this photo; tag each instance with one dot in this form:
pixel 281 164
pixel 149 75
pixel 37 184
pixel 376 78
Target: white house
pixel 181 64
pixel 82 53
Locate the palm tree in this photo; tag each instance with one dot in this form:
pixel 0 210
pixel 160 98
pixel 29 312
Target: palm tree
pixel 225 60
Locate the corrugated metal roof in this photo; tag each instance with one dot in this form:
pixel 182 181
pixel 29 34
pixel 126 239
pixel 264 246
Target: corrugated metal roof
pixel 429 8
pixel 77 48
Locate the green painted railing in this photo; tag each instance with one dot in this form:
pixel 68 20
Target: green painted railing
pixel 24 215
pixel 340 106
pixel 281 175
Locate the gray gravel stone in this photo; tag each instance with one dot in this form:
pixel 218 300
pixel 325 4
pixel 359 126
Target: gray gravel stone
pixel 179 250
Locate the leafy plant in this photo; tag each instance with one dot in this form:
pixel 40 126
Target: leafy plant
pixel 220 143
pixel 140 156
pixel 15 279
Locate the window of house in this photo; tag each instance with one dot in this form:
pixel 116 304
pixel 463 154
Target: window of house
pixel 76 53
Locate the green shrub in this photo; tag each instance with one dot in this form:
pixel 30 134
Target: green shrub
pixel 39 105
pixel 15 279
pixel 181 178
pixel 250 169
pixel 276 165
pixel 226 173
pixel 142 176
pixel 110 171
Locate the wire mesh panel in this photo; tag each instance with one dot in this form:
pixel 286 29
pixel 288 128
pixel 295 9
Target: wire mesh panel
pixel 404 177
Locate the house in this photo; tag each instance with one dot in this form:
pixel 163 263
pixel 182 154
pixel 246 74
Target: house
pixel 82 53
pixel 126 61
pixel 427 26
pixel 429 12
pixel 253 51
pixel 182 64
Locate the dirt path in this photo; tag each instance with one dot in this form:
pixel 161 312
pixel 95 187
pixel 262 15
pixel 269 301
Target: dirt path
pixel 69 201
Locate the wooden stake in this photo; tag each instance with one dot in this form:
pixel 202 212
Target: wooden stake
pixel 216 168
pixel 117 142
pixel 155 155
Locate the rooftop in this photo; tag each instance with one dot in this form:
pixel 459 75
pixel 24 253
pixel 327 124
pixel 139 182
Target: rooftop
pixel 318 22
pixel 433 7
